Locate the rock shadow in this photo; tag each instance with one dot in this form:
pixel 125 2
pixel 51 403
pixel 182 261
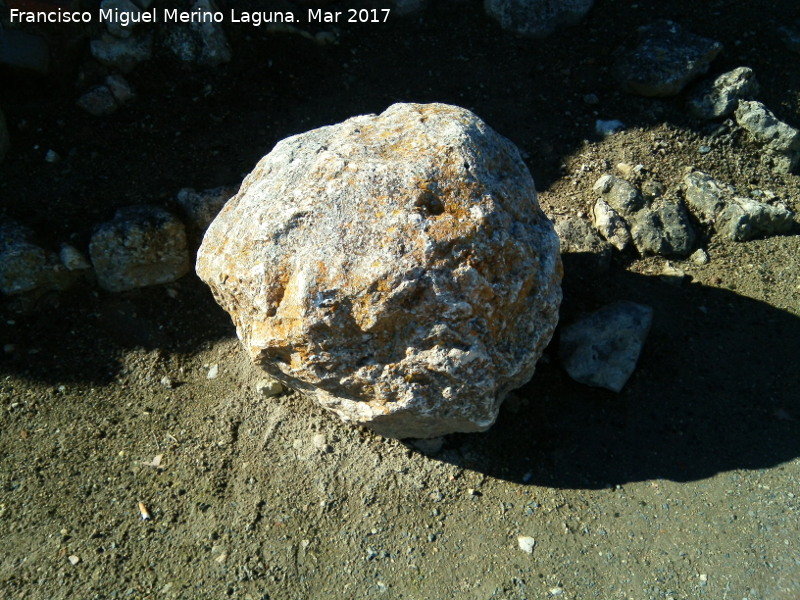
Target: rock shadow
pixel 715 390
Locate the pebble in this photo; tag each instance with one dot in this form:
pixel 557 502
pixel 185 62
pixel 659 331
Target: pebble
pixel 269 387
pixel 591 99
pixel 52 156
pixel 213 371
pixel 699 257
pixel 73 559
pixel 168 382
pixel 526 543
pixel 602 127
pixel 321 444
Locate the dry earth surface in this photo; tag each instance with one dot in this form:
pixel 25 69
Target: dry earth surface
pixel 683 486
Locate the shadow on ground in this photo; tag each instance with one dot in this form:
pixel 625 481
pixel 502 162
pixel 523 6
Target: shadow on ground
pixel 715 390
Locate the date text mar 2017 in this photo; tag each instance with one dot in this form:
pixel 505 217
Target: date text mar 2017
pixel 351 15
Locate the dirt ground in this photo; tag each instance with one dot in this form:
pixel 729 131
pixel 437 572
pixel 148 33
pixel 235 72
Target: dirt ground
pixel 685 485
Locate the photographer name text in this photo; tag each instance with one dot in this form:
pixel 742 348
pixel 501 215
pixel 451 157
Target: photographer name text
pixel 173 15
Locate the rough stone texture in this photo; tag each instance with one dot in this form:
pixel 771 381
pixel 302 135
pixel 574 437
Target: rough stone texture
pixel 666 58
pixel 142 245
pixel 780 140
pixel 116 28
pixel 720 97
pixel 536 18
pixel 396 267
pixel 738 219
pixel 202 43
pixel 98 101
pixel 5 139
pixel 610 225
pixel 601 349
pixel 654 224
pixel 201 207
pixel 25 267
pixel 122 54
pixel 578 238
pixel 24 52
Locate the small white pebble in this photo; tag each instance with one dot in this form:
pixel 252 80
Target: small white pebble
pixel 556 591
pixel 526 543
pixel 74 559
pixel 213 372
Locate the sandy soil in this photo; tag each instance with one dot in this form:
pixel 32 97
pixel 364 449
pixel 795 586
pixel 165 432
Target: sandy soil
pixel 683 486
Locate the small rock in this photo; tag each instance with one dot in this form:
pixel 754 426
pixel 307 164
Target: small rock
pixel 536 18
pixel 213 372
pixel 577 237
pixel 526 543
pixel 115 26
pixel 122 54
pixel 168 382
pixel 672 274
pixel 24 52
pixel 610 225
pixel 608 127
pixel 720 97
pixel 429 447
pixel 73 259
pixel 556 591
pixel 201 43
pixel 143 245
pixel 780 140
pixel 73 559
pixel 666 58
pixel 120 88
pixel 601 349
pixel 52 156
pixel 620 195
pixel 738 219
pixel 591 99
pixel 98 101
pixel 321 444
pixel 269 387
pixel 25 267
pixel 202 207
pixel 664 229
pixel 699 257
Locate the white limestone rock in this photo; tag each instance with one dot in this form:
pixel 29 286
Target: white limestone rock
pixel 396 267
pixel 142 245
pixel 720 97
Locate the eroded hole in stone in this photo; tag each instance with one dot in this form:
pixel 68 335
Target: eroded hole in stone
pixel 429 204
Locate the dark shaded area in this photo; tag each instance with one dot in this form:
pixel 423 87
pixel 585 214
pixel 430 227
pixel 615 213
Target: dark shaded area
pixel 715 389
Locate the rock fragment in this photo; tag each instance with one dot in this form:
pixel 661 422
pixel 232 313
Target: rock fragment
pixel 737 218
pixel 779 139
pixel 654 224
pixel 26 267
pixel 536 18
pixel 204 43
pixel 269 387
pixel 666 58
pixel 602 348
pixel 396 267
pixel 720 97
pixel 122 54
pixel 142 245
pixel 200 207
pixel 578 238
pixel 106 98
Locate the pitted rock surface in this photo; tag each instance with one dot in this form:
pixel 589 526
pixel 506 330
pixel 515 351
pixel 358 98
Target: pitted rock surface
pixel 396 267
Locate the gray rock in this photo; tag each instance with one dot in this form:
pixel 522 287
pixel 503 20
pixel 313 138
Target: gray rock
pixel 73 259
pixel 666 58
pixel 98 101
pixel 577 237
pixel 120 89
pixel 115 27
pixel 142 245
pixel 536 18
pixel 610 225
pixel 5 139
pixel 202 43
pixel 24 52
pixel 201 207
pixel 744 218
pixel 720 97
pixel 622 214
pixel 663 229
pixel 620 195
pixel 396 267
pixel 699 257
pixel 780 140
pixel 738 219
pixel 122 54
pixel 608 127
pixel 602 348
pixel 25 267
pixel 791 37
